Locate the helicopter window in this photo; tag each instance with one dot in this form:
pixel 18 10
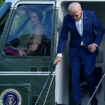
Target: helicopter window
pixel 31 31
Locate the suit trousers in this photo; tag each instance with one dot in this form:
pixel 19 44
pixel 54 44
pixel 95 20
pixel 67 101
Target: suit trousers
pixel 88 59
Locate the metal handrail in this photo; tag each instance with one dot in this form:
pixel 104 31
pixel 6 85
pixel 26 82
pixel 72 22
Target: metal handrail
pixel 96 89
pixel 44 86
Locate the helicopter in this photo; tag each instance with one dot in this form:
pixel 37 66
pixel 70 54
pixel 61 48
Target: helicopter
pixel 32 79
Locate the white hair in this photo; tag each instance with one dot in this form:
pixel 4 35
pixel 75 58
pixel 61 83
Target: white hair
pixel 72 6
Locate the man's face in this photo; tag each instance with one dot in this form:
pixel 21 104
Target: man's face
pixel 76 14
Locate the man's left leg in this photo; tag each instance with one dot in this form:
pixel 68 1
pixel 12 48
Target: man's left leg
pixel 89 60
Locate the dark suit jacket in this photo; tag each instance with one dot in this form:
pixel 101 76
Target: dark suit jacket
pixel 92 32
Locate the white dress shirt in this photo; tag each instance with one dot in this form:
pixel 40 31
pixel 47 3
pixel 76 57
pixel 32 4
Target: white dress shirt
pixel 79 26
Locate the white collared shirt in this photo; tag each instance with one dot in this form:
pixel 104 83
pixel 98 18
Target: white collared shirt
pixel 79 26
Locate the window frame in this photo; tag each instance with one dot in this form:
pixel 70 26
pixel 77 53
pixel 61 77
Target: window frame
pixel 52 40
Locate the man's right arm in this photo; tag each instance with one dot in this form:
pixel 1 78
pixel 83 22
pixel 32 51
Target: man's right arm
pixel 63 36
pixel 62 42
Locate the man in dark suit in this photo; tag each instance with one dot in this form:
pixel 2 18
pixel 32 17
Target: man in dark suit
pixel 86 34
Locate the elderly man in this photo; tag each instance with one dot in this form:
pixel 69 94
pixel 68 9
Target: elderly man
pixel 86 34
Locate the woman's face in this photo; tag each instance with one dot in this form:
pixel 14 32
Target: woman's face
pixel 34 18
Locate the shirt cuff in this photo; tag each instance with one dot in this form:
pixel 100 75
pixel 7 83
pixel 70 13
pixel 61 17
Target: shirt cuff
pixel 59 55
pixel 95 44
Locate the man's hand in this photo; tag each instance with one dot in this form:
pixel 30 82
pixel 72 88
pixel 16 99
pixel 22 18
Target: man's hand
pixel 57 60
pixel 92 47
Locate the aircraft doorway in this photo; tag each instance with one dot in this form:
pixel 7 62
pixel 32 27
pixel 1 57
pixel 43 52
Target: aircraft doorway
pixel 63 96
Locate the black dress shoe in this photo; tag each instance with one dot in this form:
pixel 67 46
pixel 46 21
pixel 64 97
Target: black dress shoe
pixel 94 102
